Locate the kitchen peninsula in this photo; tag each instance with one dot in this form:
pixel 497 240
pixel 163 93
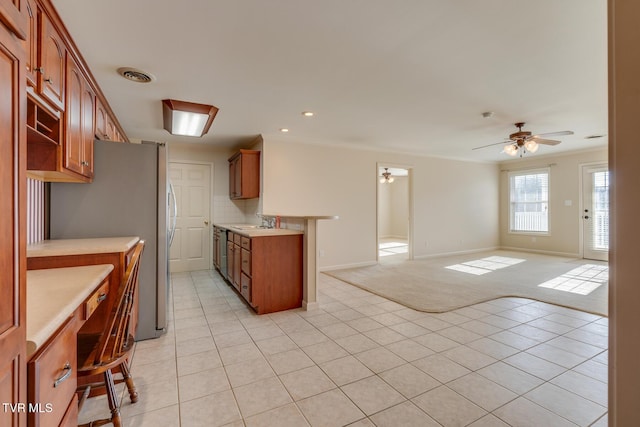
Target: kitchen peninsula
pixel 235 252
pixel 263 264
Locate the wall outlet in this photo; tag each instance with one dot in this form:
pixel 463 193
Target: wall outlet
pixel 321 253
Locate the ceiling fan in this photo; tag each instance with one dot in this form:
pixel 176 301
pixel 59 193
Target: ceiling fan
pixel 523 141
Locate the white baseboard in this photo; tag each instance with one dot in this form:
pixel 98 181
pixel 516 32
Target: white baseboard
pixel 310 306
pixel 393 237
pixel 468 251
pixel 540 251
pixel 345 266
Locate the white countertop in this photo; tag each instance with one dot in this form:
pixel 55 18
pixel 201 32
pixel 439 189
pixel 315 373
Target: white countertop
pixel 257 232
pixel 98 245
pixel 305 216
pixel 54 294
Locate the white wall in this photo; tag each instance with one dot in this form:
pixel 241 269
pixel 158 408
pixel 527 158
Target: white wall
pixel 384 210
pixel 400 207
pixel 564 184
pixel 393 208
pixel 455 202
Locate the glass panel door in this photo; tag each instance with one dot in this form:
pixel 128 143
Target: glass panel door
pixel 595 212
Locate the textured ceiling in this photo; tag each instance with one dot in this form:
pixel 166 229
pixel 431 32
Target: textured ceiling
pixel 406 76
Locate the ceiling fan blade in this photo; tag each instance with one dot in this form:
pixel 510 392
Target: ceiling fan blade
pixel 546 141
pixel 489 145
pixel 544 135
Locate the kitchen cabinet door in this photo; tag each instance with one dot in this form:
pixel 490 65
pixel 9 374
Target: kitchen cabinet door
pixel 78 145
pixel 13 371
pixel 244 175
pixel 52 53
pixel 31 43
pixel 101 122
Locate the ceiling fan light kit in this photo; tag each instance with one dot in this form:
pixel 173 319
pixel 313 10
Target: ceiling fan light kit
pixel 523 141
pixel 386 177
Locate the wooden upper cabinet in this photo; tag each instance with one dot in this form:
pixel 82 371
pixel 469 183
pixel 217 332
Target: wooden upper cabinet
pixel 101 121
pixel 88 121
pixel 106 128
pixel 78 144
pixel 51 64
pixel 31 44
pixel 244 175
pixel 66 110
pixel 13 346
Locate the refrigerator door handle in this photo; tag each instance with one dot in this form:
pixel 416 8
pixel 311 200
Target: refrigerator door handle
pixel 172 232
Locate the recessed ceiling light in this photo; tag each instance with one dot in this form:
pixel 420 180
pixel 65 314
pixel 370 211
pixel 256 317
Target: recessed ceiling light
pixel 307 113
pixel 284 130
pixel 487 114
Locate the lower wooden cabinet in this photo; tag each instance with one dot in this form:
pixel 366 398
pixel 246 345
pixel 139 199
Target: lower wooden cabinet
pixel 266 270
pixel 52 378
pixel 70 418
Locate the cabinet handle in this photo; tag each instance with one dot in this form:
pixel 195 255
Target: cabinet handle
pixel 39 70
pixel 67 374
pixel 84 163
pixel 48 80
pixel 102 297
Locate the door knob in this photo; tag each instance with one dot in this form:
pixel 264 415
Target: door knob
pixel 206 223
pixel 586 217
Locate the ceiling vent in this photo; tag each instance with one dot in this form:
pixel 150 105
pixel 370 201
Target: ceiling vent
pixel 136 75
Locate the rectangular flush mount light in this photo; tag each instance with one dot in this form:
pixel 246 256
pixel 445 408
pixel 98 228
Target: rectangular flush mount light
pixel 187 118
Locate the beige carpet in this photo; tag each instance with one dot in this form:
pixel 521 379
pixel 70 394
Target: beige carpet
pixel 427 285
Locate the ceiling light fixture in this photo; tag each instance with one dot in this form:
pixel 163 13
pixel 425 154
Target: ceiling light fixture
pixel 307 113
pixel 284 130
pixel 187 118
pixel 521 147
pixel 386 177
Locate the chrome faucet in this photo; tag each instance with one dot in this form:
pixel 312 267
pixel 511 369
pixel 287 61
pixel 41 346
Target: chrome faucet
pixel 267 221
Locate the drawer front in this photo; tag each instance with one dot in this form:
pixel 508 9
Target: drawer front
pixel 71 416
pixel 237 239
pixel 245 242
pixel 52 377
pixel 95 299
pixel 245 287
pixel 246 262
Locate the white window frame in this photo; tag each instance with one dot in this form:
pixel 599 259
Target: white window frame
pixel 526 172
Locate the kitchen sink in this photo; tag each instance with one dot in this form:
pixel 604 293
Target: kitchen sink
pixel 246 227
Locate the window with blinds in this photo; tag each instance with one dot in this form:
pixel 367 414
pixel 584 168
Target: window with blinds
pixel 529 201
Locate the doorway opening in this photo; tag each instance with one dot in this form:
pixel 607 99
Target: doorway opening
pixel 595 212
pixel 394 213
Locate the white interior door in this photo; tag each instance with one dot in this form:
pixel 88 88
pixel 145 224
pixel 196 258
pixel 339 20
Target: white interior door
pixel 191 245
pixel 595 212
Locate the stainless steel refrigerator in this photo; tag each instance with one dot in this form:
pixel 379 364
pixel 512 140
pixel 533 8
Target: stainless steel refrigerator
pixel 129 196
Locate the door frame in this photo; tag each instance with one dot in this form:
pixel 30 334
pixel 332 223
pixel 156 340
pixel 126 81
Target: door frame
pixel 582 168
pixel 410 225
pixel 211 196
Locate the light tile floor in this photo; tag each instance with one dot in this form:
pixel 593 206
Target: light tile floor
pixel 363 360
